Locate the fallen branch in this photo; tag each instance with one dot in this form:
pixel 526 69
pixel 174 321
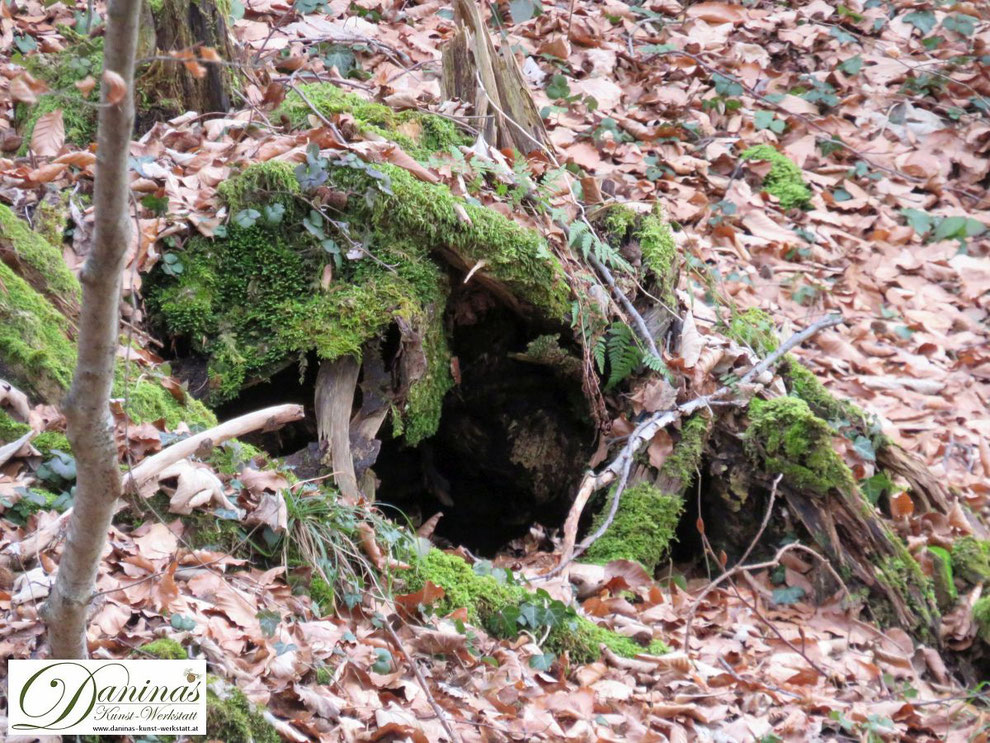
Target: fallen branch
pixel 266 419
pixel 621 465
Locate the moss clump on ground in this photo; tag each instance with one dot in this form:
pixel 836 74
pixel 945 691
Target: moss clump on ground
pixel 11 430
pixel 484 597
pixel 61 71
pixel 945 587
pixel 148 401
pixel 419 134
pixel 231 717
pixel 753 328
pixel 39 261
pixel 271 182
pixel 660 257
pixel 902 573
pixel 165 648
pixel 804 384
pixel 787 437
pixel 784 180
pixel 642 530
pixel 229 457
pixel 50 441
pixel 971 560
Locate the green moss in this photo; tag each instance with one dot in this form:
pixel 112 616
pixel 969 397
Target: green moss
pixel 902 574
pixel 419 134
pixel 656 240
pixel 421 414
pixel 35 351
pixel 324 674
pixel 11 430
pixel 787 437
pixel 971 560
pixel 752 328
pixel 945 587
pixel 61 71
pixel 682 464
pixel 981 615
pixel 483 596
pixel 231 717
pixel 39 261
pixel 165 648
pixel 642 530
pixel 51 218
pixel 784 180
pixel 229 457
pixel 617 223
pixel 50 441
pixel 264 183
pixel 322 594
pixel 148 401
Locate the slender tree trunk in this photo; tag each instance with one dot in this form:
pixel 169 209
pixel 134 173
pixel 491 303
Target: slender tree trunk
pixel 98 484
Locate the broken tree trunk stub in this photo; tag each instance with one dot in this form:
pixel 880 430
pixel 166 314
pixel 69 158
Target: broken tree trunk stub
pixel 492 83
pixel 334 399
pixel 187 81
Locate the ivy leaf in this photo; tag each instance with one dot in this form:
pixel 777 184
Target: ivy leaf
pixel 852 66
pixel 523 10
pixel 341 57
pixel 383 664
pixel 543 662
pixel 923 20
pixel 962 24
pixel 873 488
pixel 919 221
pixel 156 204
pixel 787 596
pixel 246 218
pixel 864 447
pixel 274 213
pixel 182 622
pixel 558 87
pixel 269 621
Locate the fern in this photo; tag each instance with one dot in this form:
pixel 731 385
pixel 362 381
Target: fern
pixel 621 351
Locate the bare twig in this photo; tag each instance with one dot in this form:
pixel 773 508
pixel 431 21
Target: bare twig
pixel 646 430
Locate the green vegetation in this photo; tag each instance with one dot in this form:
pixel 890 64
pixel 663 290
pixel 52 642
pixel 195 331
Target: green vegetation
pixel 971 560
pixel 753 328
pixel 660 256
pixel 784 180
pixel 945 587
pixel 981 614
pixel 787 437
pixel 642 530
pixel 165 648
pixel 11 430
pixel 231 717
pixel 489 601
pixel 419 134
pixel 61 71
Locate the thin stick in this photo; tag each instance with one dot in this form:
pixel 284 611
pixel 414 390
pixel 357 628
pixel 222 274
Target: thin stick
pixel 646 430
pixel 437 709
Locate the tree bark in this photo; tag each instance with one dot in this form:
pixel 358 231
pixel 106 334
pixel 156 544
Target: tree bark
pixel 87 411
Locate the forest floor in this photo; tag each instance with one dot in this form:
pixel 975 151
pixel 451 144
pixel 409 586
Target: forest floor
pixel 884 105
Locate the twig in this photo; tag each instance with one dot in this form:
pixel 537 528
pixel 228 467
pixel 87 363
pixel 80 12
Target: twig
pixel 646 430
pixel 437 709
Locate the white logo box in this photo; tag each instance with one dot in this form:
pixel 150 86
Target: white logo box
pixel 106 697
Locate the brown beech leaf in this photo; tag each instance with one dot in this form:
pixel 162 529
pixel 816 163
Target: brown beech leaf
pixel 901 505
pixel 86 85
pixel 49 134
pixel 116 87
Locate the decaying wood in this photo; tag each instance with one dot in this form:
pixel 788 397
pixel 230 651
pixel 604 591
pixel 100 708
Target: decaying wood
pixel 336 384
pixel 491 81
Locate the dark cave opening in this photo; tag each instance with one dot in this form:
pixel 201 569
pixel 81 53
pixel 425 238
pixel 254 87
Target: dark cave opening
pixel 514 438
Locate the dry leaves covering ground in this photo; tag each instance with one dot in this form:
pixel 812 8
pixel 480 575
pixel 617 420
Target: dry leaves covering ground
pixel 652 102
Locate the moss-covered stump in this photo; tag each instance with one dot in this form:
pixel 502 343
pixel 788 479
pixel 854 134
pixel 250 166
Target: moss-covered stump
pixel 168 87
pixel 495 605
pixel 37 349
pixel 82 58
pixel 272 289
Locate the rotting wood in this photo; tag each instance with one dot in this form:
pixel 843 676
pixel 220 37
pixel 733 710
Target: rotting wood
pixel 336 384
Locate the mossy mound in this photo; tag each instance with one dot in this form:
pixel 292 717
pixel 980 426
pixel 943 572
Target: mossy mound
pixel 252 302
pixel 11 430
pixel 61 71
pixel 37 352
pixel 230 716
pixel 785 436
pixel 642 530
pixel 419 134
pixel 486 599
pixel 620 224
pixel 784 180
pixel 165 648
